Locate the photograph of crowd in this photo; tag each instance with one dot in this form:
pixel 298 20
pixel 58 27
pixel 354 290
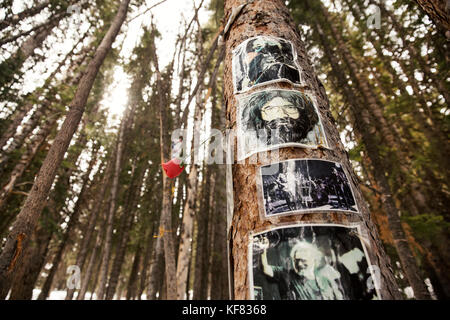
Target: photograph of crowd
pixel 304 185
pixel 310 262
pixel 262 60
pixel 271 119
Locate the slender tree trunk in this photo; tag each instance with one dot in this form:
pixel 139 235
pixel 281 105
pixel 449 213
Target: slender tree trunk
pixel 97 207
pixel 16 120
pixel 132 282
pixel 96 251
pixel 202 238
pixel 156 272
pixel 35 202
pixel 112 210
pixel 70 227
pixel 145 263
pixel 124 234
pixel 189 205
pixel 166 210
pixel 272 18
pixel 26 159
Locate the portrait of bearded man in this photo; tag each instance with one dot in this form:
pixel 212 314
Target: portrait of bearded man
pixel 262 60
pixel 278 117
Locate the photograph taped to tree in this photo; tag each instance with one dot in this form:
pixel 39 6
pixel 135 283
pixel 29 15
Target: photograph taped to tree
pixel 304 185
pixel 271 119
pixel 310 262
pixel 264 60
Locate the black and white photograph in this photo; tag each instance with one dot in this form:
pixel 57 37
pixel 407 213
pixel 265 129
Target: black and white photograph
pixel 310 262
pixel 301 185
pixel 271 119
pixel 262 60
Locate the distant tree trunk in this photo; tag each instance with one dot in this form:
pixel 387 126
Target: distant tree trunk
pixel 439 12
pixel 272 18
pixel 35 202
pixel 125 228
pixel 132 281
pixel 219 266
pixel 189 205
pixel 87 275
pixel 96 211
pixel 201 259
pixel 112 210
pixel 156 272
pixel 70 227
pixel 26 159
pixel 16 120
pixel 145 263
pixel 166 210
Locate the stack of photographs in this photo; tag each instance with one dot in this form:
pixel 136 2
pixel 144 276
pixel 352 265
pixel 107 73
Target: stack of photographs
pixel 299 261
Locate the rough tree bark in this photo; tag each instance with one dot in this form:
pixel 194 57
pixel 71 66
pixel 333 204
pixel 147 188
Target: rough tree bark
pixel 26 220
pixel 273 18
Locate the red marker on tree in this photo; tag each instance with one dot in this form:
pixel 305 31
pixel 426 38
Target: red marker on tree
pixel 173 168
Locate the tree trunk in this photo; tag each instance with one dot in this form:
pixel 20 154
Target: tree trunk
pixel 272 18
pixel 35 202
pixel 124 233
pixel 112 210
pixel 87 275
pixel 189 205
pixel 132 282
pixel 166 210
pixel 439 12
pixel 70 226
pixel 156 272
pixel 26 277
pixel 97 207
pixel 145 263
pixel 26 159
pixel 201 258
